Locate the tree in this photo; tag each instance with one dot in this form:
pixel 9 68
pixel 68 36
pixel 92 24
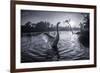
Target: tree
pixel 84 36
pixel 86 20
pixel 42 26
pixel 27 27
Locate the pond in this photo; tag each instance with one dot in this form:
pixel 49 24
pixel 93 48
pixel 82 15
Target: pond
pixel 37 48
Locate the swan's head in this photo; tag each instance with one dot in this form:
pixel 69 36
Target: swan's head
pixel 58 23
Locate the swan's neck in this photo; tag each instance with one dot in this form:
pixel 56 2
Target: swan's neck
pixel 57 29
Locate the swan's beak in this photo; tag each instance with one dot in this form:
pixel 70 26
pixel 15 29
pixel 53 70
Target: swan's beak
pixel 58 22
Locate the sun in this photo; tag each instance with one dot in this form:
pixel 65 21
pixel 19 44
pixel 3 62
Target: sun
pixel 72 23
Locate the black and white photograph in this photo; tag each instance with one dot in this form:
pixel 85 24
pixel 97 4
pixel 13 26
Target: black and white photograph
pixel 54 36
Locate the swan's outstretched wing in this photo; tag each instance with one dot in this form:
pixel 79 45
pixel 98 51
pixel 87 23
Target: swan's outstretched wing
pixel 50 36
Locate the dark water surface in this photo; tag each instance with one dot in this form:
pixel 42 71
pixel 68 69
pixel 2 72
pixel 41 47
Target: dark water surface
pixel 38 48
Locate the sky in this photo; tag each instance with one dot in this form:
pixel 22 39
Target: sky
pixel 51 16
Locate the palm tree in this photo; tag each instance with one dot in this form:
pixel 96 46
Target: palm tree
pixel 67 21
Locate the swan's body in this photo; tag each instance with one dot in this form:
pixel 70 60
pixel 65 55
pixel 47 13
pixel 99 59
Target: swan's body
pixel 54 41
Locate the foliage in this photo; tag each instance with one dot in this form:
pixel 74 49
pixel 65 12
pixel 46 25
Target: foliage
pixel 84 36
pixel 42 26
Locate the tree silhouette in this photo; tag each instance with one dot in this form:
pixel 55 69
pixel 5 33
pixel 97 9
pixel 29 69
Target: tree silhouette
pixel 27 27
pixel 42 26
pixel 84 36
